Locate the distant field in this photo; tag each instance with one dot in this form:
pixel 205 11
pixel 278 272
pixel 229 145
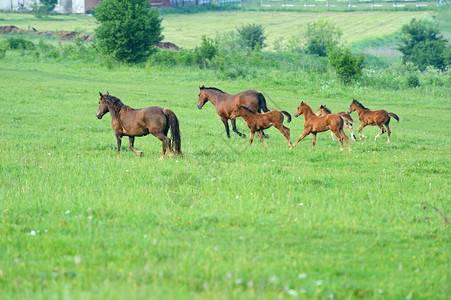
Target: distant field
pixel 186 30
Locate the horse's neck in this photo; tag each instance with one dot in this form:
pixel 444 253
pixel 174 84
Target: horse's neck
pixel 246 115
pixel 308 113
pixel 215 97
pixel 361 110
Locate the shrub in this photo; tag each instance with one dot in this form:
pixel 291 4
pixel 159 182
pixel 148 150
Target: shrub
pixel 19 44
pixel 412 80
pixel 206 52
pixel 128 29
pixel 251 35
pixel 321 37
pixel 346 65
pixel 422 44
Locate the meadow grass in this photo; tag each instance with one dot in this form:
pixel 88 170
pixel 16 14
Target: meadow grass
pixel 226 220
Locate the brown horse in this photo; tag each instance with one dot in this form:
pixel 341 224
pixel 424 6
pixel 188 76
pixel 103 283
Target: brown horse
pixel 130 122
pixel 348 121
pixel 226 103
pixel 372 117
pixel 257 122
pixel 314 124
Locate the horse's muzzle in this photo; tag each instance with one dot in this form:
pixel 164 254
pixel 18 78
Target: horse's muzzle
pixel 99 117
pixel 199 106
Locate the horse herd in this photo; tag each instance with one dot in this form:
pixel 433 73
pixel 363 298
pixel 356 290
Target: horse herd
pixel 249 105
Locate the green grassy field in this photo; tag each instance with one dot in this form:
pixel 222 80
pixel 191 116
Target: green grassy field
pixel 226 220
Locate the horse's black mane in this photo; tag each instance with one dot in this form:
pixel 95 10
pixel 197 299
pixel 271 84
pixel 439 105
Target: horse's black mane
pixel 326 109
pixel 115 101
pixel 247 108
pixel 212 88
pixel 360 104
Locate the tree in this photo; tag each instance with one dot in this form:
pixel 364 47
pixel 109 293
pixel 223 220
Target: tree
pixel 129 29
pixel 345 64
pixel 251 35
pixel 43 7
pixel 321 36
pixel 207 51
pixel 422 44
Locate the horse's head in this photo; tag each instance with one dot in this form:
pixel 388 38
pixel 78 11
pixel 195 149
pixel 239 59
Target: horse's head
pixel 353 106
pixel 203 97
pixel 103 107
pixel 322 111
pixel 236 112
pixel 300 109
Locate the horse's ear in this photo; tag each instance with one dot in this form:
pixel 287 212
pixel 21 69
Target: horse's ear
pixel 100 94
pixel 201 87
pixel 107 92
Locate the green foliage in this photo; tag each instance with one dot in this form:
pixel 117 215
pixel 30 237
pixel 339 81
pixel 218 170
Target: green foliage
pixel 129 30
pixel 347 66
pixel 43 7
pixel 206 52
pixel 422 44
pixel 251 35
pixel 321 37
pixel 412 80
pixel 19 43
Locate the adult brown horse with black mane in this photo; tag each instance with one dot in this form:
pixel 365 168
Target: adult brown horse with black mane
pixel 257 122
pixel 226 103
pixel 130 122
pixel 314 124
pixel 348 121
pixel 372 117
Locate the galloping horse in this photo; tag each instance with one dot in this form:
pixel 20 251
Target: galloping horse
pixel 226 103
pixel 372 117
pixel 257 122
pixel 314 124
pixel 324 111
pixel 130 122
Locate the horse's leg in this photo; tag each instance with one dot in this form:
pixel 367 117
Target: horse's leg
pixel 166 144
pixel 350 127
pixel 388 131
pixel 233 121
pixel 360 131
pixel 131 140
pixel 382 131
pixel 226 124
pixel 313 140
pixel 119 140
pixel 261 138
pixel 303 135
pixel 251 137
pixel 345 137
pixel 285 131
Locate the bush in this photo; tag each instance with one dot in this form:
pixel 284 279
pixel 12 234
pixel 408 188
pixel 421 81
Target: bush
pixel 251 35
pixel 129 29
pixel 422 44
pixel 19 44
pixel 412 80
pixel 206 52
pixel 321 37
pixel 347 66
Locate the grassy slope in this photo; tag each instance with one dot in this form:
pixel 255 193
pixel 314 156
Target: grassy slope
pixel 186 30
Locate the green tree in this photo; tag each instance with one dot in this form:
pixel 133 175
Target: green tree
pixel 346 65
pixel 251 35
pixel 129 29
pixel 422 44
pixel 321 37
pixel 43 7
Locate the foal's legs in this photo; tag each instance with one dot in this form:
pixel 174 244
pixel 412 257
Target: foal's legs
pixel 261 138
pixel 388 131
pixel 350 127
pixel 226 124
pixel 313 140
pixel 251 137
pixel 119 140
pixel 381 126
pixel 345 137
pixel 285 131
pixel 303 135
pixel 131 144
pixel 233 121
pixel 360 131
pixel 339 137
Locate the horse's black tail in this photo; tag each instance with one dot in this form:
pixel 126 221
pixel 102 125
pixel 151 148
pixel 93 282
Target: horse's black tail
pixel 394 116
pixel 175 130
pixel 286 114
pixel 262 102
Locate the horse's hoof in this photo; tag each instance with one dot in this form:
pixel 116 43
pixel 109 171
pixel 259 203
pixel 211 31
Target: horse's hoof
pixel 140 154
pixel 266 136
pixel 243 135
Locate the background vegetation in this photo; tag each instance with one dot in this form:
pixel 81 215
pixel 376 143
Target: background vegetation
pixel 226 221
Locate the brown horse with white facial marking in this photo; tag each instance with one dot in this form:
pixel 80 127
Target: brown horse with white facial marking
pixel 378 118
pixel 226 103
pixel 314 124
pixel 257 122
pixel 348 121
pixel 130 122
